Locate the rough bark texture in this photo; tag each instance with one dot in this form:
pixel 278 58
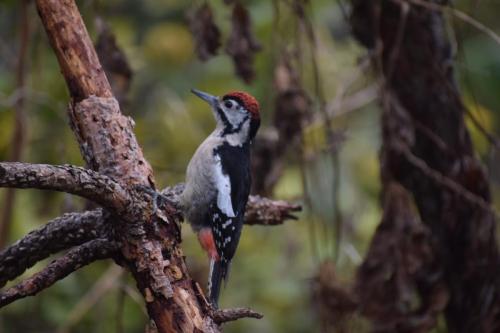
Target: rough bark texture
pixel 66 178
pixel 150 249
pixel 77 228
pixel 109 146
pixel 263 211
pixel 83 255
pixel 59 234
pixel 69 38
pixel 135 218
pixel 259 210
pixel 426 146
pixel 223 316
pixel 107 141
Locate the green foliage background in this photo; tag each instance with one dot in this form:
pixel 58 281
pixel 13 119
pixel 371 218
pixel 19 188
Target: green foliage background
pixel 274 266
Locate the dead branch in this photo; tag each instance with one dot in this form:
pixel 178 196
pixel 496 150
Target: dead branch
pixel 60 268
pixel 59 234
pixel 77 228
pixel 225 315
pixel 79 63
pixel 150 250
pixel 445 181
pixel 264 211
pixel 66 178
pixel 259 211
pixel 107 142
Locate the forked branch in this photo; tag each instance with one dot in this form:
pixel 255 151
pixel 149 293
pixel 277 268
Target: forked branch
pixel 59 234
pixel 74 229
pixel 59 269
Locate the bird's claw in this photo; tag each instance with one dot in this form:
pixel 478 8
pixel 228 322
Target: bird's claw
pixel 158 199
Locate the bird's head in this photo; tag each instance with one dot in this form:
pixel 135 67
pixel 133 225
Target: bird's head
pixel 237 113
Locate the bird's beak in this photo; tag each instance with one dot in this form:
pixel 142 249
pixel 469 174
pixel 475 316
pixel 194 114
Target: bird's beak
pixel 212 100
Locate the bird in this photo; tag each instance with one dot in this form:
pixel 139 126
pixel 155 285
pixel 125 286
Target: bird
pixel 218 181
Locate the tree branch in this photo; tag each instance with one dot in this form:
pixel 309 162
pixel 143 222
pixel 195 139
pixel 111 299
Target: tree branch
pixel 66 178
pixel 59 234
pixel 225 315
pixel 59 269
pixel 259 210
pixel 424 113
pixel 79 63
pixel 18 140
pixel 150 250
pixel 77 228
pixel 265 211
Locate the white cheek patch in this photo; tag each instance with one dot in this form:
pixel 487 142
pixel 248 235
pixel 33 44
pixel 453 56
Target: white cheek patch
pixel 234 117
pixel 224 189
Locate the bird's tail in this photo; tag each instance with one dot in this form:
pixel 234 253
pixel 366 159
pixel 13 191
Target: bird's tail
pixel 219 270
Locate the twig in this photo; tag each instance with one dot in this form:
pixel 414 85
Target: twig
pixel 66 178
pixel 20 119
pixel 120 305
pixel 59 234
pixel 223 316
pixel 77 228
pixel 395 51
pixel 108 145
pixel 457 13
pixel 445 181
pixel 59 269
pixel 105 283
pixel 304 20
pixel 135 296
pixel 263 211
pixel 343 105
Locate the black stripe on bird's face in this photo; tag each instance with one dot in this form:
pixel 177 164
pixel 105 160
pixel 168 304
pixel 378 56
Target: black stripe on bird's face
pixel 232 118
pixel 223 117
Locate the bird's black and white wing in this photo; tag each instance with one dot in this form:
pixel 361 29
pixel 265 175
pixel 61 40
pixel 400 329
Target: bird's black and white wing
pixel 233 187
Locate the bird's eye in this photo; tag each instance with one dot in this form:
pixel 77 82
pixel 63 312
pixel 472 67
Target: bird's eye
pixel 228 104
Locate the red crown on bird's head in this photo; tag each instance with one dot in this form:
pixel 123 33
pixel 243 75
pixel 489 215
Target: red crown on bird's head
pixel 246 100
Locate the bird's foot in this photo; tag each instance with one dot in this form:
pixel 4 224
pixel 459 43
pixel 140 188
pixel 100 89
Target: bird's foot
pixel 159 201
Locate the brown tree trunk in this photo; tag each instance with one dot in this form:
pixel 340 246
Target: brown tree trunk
pixel 107 142
pixel 426 149
pixel 135 226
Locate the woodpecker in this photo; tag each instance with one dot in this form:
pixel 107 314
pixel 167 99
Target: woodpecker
pixel 218 182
